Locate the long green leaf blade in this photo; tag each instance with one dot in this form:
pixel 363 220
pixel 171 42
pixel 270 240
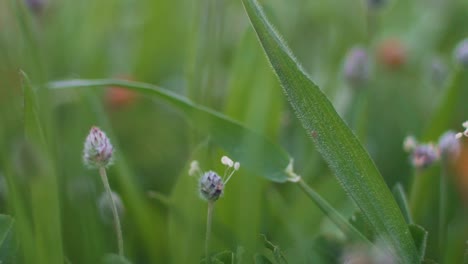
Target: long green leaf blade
pixel 271 160
pixel 335 141
pixel 7 243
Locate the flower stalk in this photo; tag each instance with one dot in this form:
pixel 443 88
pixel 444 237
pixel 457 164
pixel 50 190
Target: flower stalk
pixel 98 153
pixel 209 219
pixel 117 226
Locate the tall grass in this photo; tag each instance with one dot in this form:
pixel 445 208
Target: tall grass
pixel 215 94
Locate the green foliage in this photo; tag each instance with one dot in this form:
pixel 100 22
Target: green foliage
pixel 8 246
pixel 221 97
pixel 337 144
pixel 271 160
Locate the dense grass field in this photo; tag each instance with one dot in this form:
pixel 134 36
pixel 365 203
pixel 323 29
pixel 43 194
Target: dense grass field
pixel 345 145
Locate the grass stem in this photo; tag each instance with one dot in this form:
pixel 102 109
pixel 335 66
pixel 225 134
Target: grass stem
pixel 208 231
pixel 118 228
pixel 442 210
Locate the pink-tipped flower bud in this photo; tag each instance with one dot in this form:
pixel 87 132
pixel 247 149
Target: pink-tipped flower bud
pixel 356 67
pixel 98 151
pixel 424 156
pixel 449 145
pixel 461 53
pixel 211 186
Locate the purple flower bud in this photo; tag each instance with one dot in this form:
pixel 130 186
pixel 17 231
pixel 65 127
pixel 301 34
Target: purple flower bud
pixel 449 145
pixel 375 4
pixel 211 186
pixel 98 151
pixel 36 6
pixel 356 67
pixel 424 155
pixel 461 53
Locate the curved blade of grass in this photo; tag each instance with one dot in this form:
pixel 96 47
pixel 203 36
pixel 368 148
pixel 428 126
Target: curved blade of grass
pixel 348 229
pixel 271 160
pixel 334 140
pixel 402 201
pixel 44 190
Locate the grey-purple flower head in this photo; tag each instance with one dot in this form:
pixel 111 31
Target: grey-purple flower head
pixel 211 185
pixel 461 53
pixel 421 155
pixel 449 145
pixel 356 67
pixel 98 151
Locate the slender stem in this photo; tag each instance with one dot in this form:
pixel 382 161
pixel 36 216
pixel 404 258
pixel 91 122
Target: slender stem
pixel 208 231
pixel 348 229
pixel 118 228
pixel 442 209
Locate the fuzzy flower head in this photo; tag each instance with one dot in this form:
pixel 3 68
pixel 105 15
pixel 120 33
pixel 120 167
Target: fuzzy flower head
pixel 356 67
pixel 424 155
pixel 211 185
pixel 98 151
pixel 461 53
pixel 464 133
pixel 449 145
pixel 421 155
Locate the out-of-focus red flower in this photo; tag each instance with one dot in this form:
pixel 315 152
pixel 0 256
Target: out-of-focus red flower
pixel 118 97
pixel 392 53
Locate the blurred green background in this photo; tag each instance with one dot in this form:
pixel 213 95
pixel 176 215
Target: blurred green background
pixel 207 51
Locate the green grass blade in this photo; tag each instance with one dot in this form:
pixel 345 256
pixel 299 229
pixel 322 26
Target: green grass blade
pixel 335 141
pixel 349 230
pixel 7 246
pixel 402 201
pixel 43 190
pixel 271 160
pixel 420 238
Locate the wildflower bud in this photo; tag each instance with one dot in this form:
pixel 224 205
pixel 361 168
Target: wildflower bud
pixel 409 144
pixel 98 151
pixel 105 207
pixel 376 4
pixel 356 67
pixel 227 161
pixel 36 6
pixel 449 145
pixel 461 53
pixel 424 155
pixel 211 186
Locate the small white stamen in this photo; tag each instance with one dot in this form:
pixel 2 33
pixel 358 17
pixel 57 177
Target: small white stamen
pixel 236 165
pixel 194 168
pixel 227 161
pixel 459 135
pixel 409 144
